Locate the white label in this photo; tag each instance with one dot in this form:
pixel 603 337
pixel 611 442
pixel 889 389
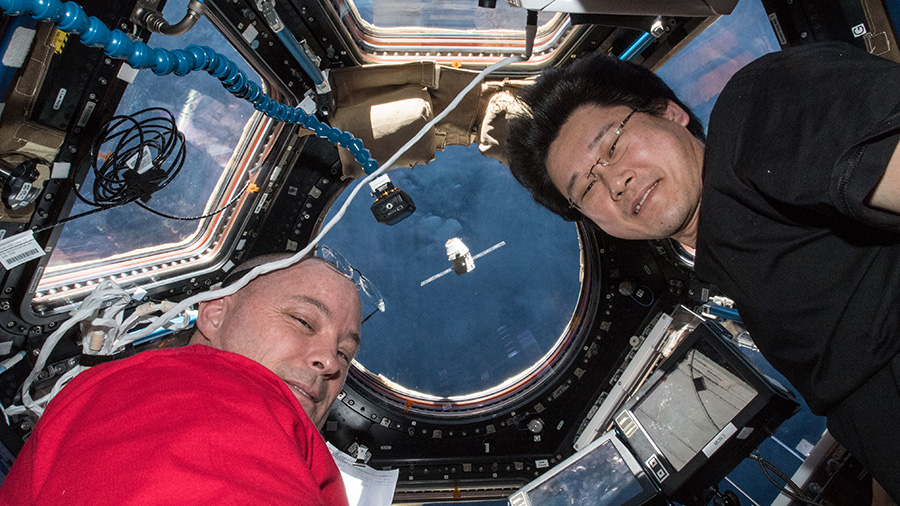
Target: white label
pixel 859 30
pixel 23 192
pixel 59 99
pixel 19 249
pixel 127 73
pixel 250 33
pixel 776 25
pixel 804 447
pixel 541 464
pixel 36 279
pixel 139 294
pixel 86 114
pixel 146 161
pixel 720 438
pixel 18 48
pixel 262 202
pixel 60 170
pixel 308 104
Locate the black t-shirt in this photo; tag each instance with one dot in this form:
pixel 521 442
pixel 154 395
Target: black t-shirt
pixel 796 142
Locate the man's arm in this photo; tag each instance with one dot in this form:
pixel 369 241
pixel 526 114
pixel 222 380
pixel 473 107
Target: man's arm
pixel 886 194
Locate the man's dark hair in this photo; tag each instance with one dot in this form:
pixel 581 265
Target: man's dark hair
pixel 599 79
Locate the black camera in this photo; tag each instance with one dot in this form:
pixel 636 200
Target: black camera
pixel 392 205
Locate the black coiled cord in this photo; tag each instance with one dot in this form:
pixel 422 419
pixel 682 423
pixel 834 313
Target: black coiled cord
pixel 148 153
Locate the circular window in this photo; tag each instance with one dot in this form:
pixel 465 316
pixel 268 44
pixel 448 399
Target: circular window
pixel 455 339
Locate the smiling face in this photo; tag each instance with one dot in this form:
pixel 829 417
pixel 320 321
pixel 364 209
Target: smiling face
pixel 302 323
pixel 651 191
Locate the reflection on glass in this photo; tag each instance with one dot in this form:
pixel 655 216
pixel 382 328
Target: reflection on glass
pixel 445 334
pixel 212 121
pixel 600 477
pixel 699 71
pixel 692 404
pixel 430 14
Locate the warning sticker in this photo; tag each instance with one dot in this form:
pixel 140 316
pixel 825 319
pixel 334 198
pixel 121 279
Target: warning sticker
pixel 19 249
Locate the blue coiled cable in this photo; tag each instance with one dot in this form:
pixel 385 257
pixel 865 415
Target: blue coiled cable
pixel 71 18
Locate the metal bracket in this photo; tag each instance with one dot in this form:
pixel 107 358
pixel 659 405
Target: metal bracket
pixel 267 8
pixel 140 10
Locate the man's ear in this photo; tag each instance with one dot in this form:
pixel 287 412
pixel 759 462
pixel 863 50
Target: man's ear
pixel 675 113
pixel 210 316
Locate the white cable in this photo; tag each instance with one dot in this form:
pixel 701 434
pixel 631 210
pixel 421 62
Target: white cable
pixel 92 303
pixel 11 361
pixel 286 262
pixel 119 335
pixel 64 380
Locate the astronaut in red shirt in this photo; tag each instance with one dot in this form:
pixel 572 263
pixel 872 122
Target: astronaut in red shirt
pixel 233 418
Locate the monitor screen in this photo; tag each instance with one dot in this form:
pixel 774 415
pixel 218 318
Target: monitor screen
pixel 700 414
pixel 603 474
pixel 692 404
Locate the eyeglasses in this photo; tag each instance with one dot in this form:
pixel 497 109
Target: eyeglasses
pixel 367 290
pixel 612 156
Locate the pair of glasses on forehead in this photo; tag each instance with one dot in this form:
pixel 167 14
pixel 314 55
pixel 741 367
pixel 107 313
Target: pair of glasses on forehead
pixel 369 296
pixel 607 157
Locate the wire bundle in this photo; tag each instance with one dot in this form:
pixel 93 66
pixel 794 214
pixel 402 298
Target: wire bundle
pixel 148 152
pixel 795 492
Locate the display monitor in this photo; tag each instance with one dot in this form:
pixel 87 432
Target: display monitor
pixel 714 397
pixel 604 473
pixel 700 413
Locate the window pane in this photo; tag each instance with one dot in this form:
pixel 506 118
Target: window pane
pixel 430 14
pixel 700 70
pixel 212 121
pixel 445 334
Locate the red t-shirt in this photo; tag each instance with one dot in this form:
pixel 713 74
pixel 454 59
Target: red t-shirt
pixel 191 425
